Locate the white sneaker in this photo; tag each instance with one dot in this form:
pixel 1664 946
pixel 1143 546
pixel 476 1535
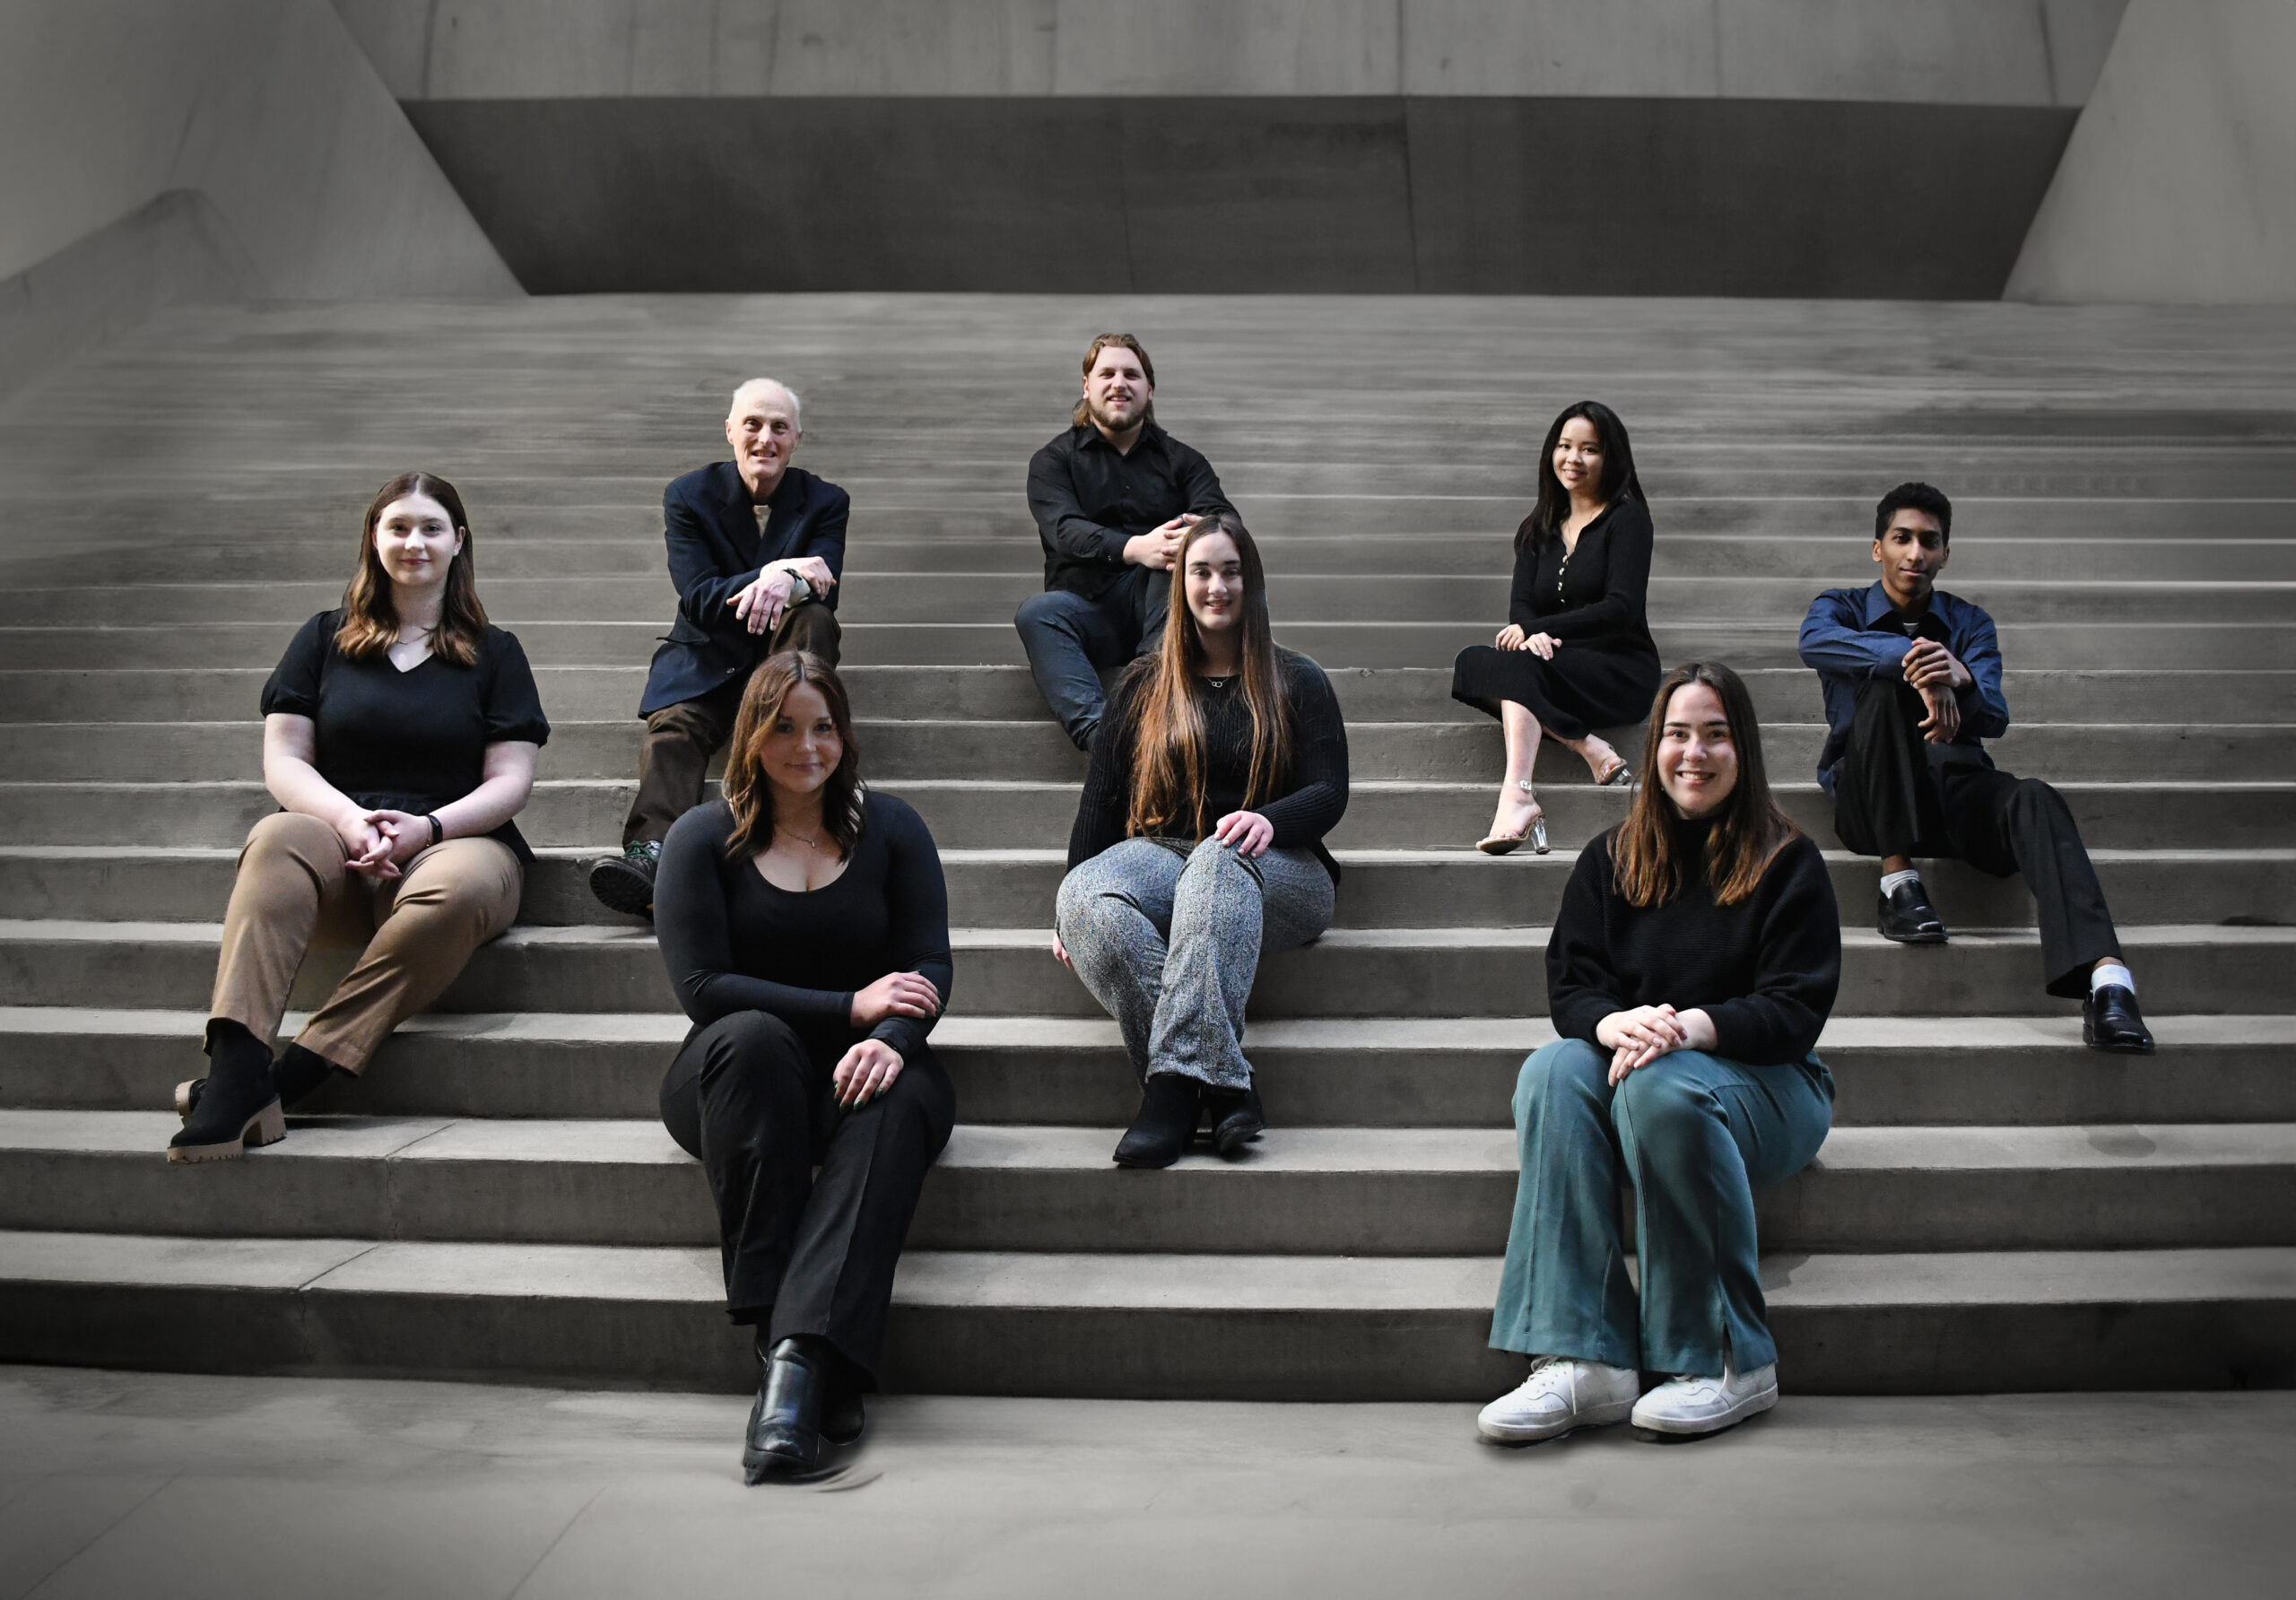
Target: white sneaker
pixel 1559 1395
pixel 1690 1405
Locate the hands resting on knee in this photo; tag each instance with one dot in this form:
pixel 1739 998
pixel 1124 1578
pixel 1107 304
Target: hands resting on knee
pixel 869 1068
pixel 1639 1036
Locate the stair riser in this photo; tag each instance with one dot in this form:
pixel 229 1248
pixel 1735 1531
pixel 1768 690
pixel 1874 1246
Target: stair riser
pixel 1998 977
pixel 424 1074
pixel 1422 751
pixel 1194 1210
pixel 1132 1352
pixel 589 813
pixel 1781 694
pixel 1467 890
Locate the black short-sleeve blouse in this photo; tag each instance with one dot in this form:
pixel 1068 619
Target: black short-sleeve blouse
pixel 408 741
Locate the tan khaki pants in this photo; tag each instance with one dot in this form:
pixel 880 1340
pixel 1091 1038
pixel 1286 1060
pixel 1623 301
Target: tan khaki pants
pixel 295 887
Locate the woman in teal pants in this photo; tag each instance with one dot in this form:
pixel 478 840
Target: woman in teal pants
pixel 1692 963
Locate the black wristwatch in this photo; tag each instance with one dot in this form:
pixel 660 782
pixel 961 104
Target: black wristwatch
pixel 437 832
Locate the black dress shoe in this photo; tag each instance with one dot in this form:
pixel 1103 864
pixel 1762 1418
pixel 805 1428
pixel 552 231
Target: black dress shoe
pixel 785 1431
pixel 845 1415
pixel 625 883
pixel 1170 1104
pixel 1237 1119
pixel 1907 917
pixel 2109 1021
pixel 237 1107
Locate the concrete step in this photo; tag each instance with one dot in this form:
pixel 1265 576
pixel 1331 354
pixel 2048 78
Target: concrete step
pixel 141 752
pixel 979 814
pixel 1008 693
pixel 1139 1326
pixel 1015 887
pixel 1350 972
pixel 1300 1191
pixel 1457 1071
pixel 555 641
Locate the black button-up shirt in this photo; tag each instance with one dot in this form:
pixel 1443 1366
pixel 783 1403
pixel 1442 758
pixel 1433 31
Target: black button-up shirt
pixel 1089 499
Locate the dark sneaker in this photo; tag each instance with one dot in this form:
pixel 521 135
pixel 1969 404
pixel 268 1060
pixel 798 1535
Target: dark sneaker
pixel 2109 1021
pixel 625 883
pixel 1907 917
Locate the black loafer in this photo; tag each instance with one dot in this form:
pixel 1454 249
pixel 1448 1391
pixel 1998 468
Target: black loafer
pixel 1170 1104
pixel 1237 1120
pixel 1907 917
pixel 625 883
pixel 785 1433
pixel 2109 1021
pixel 845 1416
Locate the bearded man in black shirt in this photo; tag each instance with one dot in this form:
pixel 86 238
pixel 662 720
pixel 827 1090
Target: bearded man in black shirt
pixel 1112 496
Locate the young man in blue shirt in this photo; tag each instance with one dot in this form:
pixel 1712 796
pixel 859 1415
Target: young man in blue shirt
pixel 1912 680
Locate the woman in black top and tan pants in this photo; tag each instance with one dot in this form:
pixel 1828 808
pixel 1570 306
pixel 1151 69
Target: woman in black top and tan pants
pixel 1575 653
pixel 1220 765
pixel 399 734
pixel 806 924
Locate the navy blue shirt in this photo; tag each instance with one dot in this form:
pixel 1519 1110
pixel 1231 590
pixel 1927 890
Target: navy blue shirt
pixel 1851 635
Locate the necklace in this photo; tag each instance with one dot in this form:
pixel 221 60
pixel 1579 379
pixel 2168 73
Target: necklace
pixel 812 843
pixel 1219 683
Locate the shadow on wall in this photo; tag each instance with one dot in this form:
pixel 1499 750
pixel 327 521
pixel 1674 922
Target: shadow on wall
pixel 1454 195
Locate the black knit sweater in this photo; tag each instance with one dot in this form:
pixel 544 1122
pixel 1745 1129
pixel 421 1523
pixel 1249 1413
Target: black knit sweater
pixel 1314 797
pixel 1765 970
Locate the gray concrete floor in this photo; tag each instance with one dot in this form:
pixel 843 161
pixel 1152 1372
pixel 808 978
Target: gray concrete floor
pixel 132 1483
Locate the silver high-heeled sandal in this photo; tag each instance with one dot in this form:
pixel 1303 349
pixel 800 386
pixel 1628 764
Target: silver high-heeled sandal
pixel 1500 844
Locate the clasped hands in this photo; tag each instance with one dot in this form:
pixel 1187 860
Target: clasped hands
pixel 1540 645
pixel 381 842
pixel 1639 1036
pixel 1159 547
pixel 1938 675
pixel 761 606
pixel 869 1068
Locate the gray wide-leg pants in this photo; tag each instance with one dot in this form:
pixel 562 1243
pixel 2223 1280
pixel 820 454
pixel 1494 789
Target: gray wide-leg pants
pixel 1168 934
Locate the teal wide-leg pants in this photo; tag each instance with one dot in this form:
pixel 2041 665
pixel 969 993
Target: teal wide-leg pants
pixel 1697 1135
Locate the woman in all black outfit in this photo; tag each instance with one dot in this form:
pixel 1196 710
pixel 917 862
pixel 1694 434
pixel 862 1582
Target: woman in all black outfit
pixel 1575 653
pixel 806 929
pixel 1691 965
pixel 399 737
pixel 1220 765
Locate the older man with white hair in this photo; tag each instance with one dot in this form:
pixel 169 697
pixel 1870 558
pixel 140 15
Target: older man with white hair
pixel 756 547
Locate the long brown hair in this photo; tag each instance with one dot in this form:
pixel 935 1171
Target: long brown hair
pixel 1168 767
pixel 1749 828
pixel 1084 412
pixel 370 619
pixel 744 787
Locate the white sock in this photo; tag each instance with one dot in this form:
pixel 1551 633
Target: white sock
pixel 1890 881
pixel 2112 972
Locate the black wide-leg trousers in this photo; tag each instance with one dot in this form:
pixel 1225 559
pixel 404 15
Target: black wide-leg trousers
pixel 806 1254
pixel 1896 793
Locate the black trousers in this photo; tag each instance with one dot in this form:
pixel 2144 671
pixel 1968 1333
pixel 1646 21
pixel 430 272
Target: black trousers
pixel 1896 793
pixel 673 757
pixel 806 1254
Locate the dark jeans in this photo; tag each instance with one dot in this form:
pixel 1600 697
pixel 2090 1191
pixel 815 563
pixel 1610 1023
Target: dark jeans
pixel 806 1254
pixel 1896 793
pixel 673 758
pixel 1070 639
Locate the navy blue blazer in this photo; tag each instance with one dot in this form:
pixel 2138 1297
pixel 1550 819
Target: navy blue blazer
pixel 715 552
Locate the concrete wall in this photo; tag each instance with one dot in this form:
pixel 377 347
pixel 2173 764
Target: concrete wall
pixel 159 150
pixel 2179 183
pixel 1945 52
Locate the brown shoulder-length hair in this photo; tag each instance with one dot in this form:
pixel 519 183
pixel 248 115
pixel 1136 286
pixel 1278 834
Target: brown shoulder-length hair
pixel 1084 412
pixel 370 621
pixel 1168 759
pixel 744 787
pixel 1749 829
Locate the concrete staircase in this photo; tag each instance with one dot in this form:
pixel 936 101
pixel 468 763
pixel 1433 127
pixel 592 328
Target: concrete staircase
pixel 1998 1207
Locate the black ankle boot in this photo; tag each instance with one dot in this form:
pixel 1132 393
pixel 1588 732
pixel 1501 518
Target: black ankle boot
pixel 785 1433
pixel 1237 1119
pixel 1170 1104
pixel 296 1076
pixel 237 1107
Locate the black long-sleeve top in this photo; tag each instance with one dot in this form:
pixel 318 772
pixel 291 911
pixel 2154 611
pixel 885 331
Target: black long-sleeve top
pixel 1765 970
pixel 1594 595
pixel 733 942
pixel 1089 498
pixel 1314 797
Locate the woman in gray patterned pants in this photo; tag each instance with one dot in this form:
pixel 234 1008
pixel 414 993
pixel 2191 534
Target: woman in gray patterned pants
pixel 1220 765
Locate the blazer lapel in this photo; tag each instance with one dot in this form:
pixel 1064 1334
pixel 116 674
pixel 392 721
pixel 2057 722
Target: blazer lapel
pixel 735 520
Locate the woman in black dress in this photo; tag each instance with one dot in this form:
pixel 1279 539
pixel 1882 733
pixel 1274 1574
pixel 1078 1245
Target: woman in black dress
pixel 1575 653
pixel 806 926
pixel 399 738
